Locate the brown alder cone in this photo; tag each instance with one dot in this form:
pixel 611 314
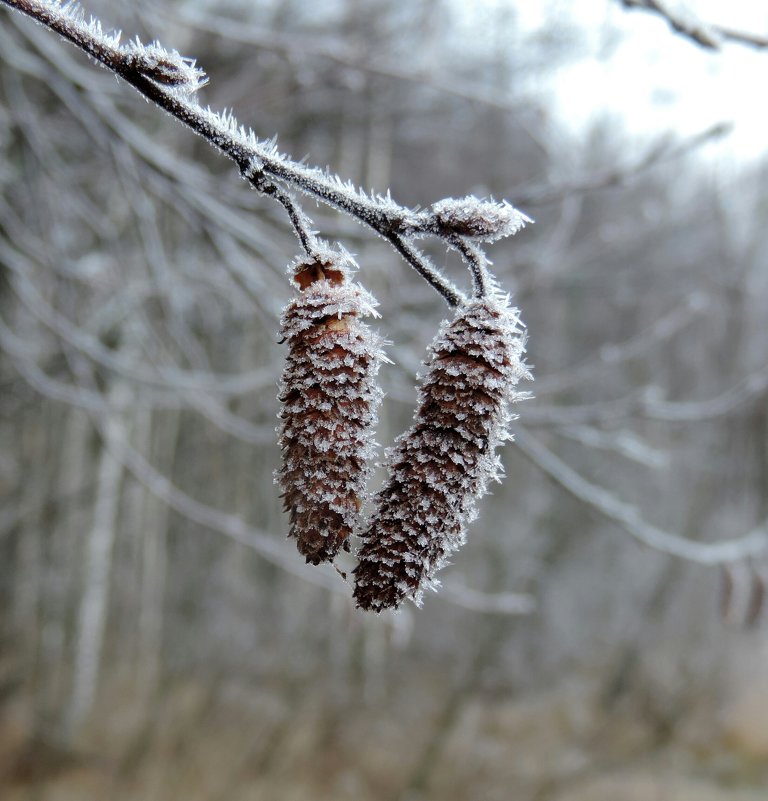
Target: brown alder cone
pixel 329 400
pixel 441 466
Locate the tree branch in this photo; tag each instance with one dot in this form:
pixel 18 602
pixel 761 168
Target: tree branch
pixel 170 81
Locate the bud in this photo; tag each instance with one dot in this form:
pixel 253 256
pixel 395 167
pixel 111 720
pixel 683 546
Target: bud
pixel 329 398
pixel 483 220
pixel 442 465
pixel 165 67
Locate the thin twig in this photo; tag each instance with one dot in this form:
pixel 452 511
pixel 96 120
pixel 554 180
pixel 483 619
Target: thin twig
pixel 302 225
pixel 478 265
pixel 404 247
pixel 703 34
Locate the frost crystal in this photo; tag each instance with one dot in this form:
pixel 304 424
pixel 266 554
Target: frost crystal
pixel 329 399
pixel 442 465
pixel 478 219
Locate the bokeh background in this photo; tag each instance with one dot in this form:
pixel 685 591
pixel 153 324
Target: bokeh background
pixel 159 637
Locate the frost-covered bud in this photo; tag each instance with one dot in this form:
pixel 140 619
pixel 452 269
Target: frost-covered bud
pixel 483 220
pixel 163 66
pixel 441 466
pixel 329 398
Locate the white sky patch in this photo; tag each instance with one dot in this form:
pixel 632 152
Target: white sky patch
pixel 642 75
pixel 655 81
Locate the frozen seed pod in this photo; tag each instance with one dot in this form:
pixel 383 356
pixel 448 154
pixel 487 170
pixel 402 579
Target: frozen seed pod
pixel 329 400
pixel 442 465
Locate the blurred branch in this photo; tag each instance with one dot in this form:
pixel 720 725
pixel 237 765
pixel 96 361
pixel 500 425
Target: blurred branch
pixel 710 37
pixel 751 388
pixel 628 517
pixel 742 593
pixel 39 380
pixel 339 52
pixel 660 153
pixel 199 400
pixel 586 413
pixel 622 442
pixel 611 355
pixel 198 389
pixel 170 81
pixel 158 375
pixel 500 603
pixel 12 519
pixel 644 403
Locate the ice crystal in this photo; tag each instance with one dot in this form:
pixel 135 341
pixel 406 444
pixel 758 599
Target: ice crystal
pixel 329 398
pixel 69 19
pixel 442 465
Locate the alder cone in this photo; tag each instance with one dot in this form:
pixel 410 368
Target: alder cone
pixel 329 398
pixel 441 466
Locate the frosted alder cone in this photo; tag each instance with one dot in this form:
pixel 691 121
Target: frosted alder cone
pixel 442 465
pixel 329 398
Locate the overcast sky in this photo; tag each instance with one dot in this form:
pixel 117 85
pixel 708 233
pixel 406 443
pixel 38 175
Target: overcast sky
pixel 659 79
pixel 638 71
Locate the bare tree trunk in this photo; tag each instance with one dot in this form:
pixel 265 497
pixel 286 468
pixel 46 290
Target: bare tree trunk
pixel 154 559
pixel 73 476
pixel 92 616
pixel 29 555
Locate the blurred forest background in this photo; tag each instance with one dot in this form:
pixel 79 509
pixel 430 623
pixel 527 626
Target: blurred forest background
pixel 159 637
